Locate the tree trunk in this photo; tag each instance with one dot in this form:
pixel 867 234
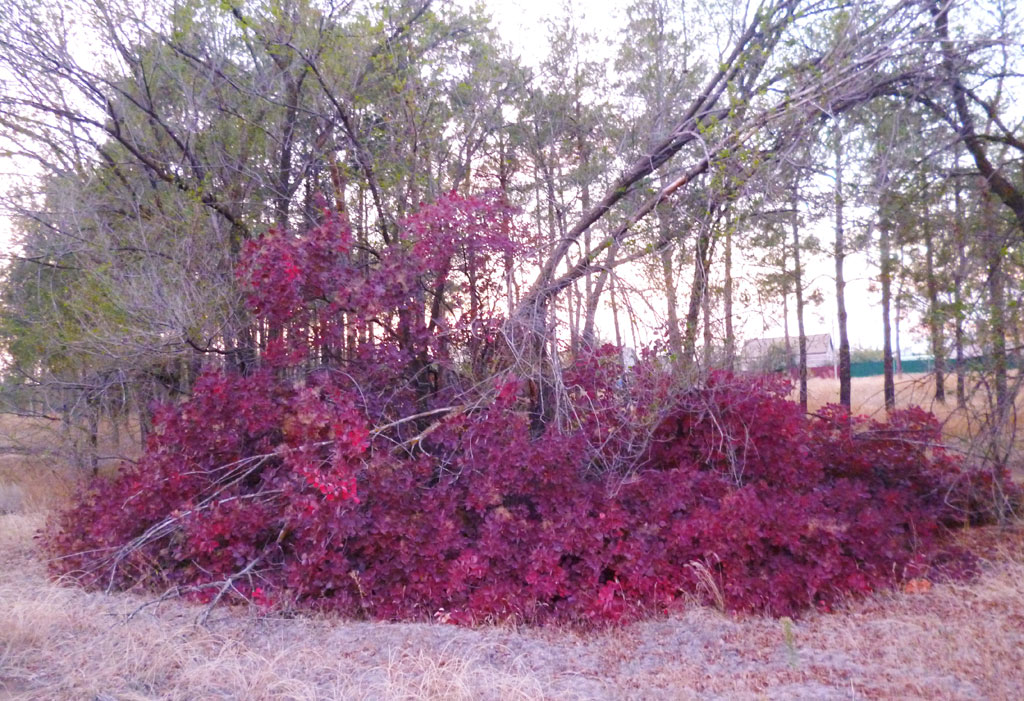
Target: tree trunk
pixel 785 316
pixel 708 335
pixel 504 181
pixel 934 312
pixel 675 340
pixel 1002 430
pixel 845 384
pixel 958 285
pixel 898 350
pixel 583 154
pixel 798 289
pixel 702 259
pixel 885 277
pixel 573 310
pixel 282 178
pixel 93 435
pixel 997 312
pixel 615 313
pixel 588 334
pixel 730 335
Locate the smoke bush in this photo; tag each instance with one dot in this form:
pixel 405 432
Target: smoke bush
pixel 394 475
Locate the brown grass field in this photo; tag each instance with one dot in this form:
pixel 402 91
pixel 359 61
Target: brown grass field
pixel 911 389
pixel 961 426
pixel 953 641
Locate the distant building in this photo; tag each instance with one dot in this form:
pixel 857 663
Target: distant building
pixel 769 354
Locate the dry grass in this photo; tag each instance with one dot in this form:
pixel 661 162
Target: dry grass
pixel 963 428
pixel 868 396
pixel 59 642
pixel 33 483
pixel 37 467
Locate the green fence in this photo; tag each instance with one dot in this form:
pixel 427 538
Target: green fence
pixel 869 368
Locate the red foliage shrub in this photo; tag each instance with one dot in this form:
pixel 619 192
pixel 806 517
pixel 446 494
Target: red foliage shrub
pixel 354 487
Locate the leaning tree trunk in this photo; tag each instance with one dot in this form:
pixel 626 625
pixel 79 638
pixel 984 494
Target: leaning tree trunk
pixel 740 68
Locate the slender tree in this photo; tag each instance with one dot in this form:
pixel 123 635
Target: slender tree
pixel 839 255
pixel 886 265
pixel 798 288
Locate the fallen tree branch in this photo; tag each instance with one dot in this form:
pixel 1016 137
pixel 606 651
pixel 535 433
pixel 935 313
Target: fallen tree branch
pixel 228 583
